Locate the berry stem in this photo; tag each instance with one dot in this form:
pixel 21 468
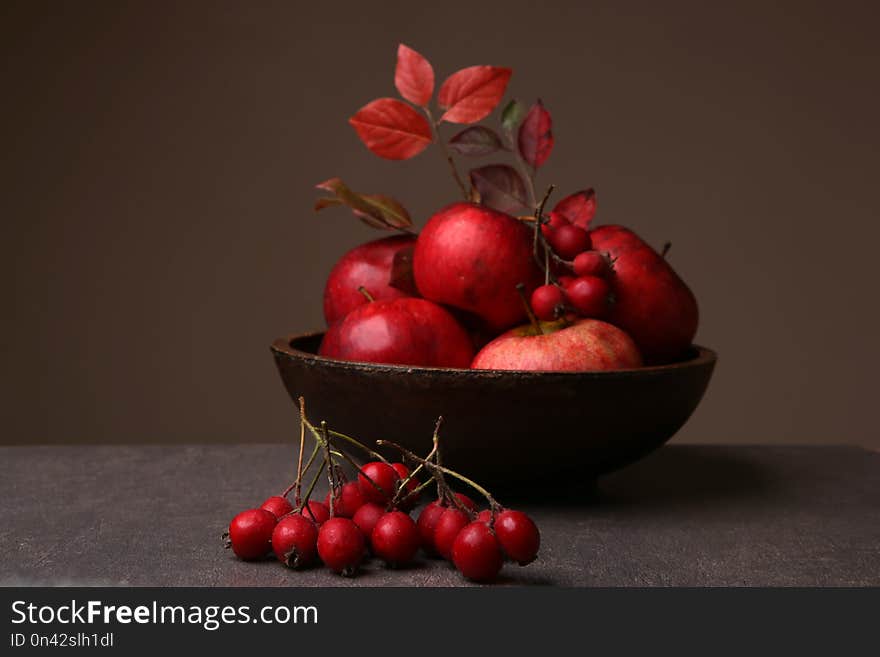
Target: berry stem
pixel 546 265
pixel 440 471
pixel 436 449
pixel 342 454
pixel 311 486
pixel 353 441
pixel 402 487
pixel 328 460
pixel 302 440
pixel 443 491
pixel 521 290
pixel 539 236
pixel 452 168
pixel 415 492
pixel 666 247
pixel 493 504
pixel 369 297
pixel 305 469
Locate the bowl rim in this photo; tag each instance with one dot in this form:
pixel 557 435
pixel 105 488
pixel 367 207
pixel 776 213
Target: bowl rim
pixel 282 347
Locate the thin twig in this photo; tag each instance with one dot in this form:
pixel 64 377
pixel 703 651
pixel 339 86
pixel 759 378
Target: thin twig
pixel 302 440
pixel 437 139
pixel 329 461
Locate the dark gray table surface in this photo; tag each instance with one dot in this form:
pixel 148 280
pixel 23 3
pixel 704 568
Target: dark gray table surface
pixel 686 515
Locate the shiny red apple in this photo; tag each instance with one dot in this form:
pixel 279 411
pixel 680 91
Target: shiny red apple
pixel 563 346
pixel 369 266
pixel 472 258
pixel 651 302
pixel 406 331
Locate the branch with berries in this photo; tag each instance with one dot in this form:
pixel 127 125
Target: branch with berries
pixel 373 511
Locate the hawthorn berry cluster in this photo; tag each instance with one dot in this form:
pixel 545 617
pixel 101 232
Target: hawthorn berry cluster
pixel 576 276
pixel 371 515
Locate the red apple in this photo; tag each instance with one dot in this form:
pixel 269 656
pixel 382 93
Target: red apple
pixel 564 346
pixel 652 303
pixel 472 258
pixel 407 331
pixel 367 266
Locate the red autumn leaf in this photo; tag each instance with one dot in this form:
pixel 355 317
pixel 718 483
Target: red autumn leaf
pixel 392 129
pixel 414 76
pixel 579 208
pixel 500 187
pixel 469 95
pixel 536 135
pixel 476 141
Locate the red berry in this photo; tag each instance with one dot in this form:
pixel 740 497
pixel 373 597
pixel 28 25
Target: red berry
pixel 395 538
pixel 341 545
pixel 349 499
pixel 565 280
pixel 476 552
pixel 547 300
pixel 592 263
pixel 449 524
pixel 554 222
pixel 484 516
pixel 590 296
pixel 381 475
pixel 403 472
pixel 466 501
pixel 277 506
pixel 317 512
pixel 518 536
pixel 569 240
pixel 295 541
pixel 427 523
pixel 250 533
pixel 367 516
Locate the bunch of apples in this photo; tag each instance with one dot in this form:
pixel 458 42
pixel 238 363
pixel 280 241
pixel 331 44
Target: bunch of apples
pixel 494 281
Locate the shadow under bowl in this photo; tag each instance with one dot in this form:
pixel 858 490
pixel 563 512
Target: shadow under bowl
pixel 500 427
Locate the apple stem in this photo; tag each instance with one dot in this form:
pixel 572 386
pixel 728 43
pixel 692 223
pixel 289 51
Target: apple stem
pixel 452 168
pixel 521 290
pixel 665 250
pixel 369 297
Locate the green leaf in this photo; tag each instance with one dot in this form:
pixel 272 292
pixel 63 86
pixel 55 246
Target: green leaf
pixel 376 210
pixel 512 114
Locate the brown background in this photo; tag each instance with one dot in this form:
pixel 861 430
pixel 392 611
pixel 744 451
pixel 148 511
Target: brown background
pixel 158 163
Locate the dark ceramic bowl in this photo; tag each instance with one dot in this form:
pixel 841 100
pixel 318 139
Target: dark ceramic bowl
pixel 500 426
